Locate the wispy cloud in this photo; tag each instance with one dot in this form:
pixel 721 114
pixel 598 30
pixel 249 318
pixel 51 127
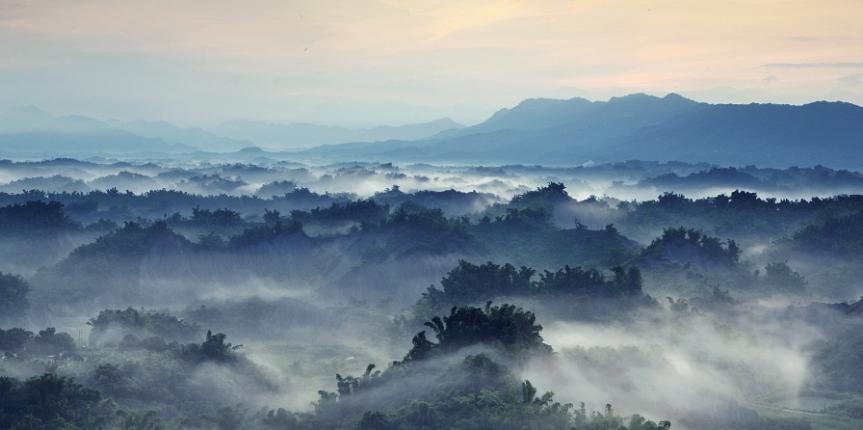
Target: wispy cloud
pixel 281 59
pixel 849 65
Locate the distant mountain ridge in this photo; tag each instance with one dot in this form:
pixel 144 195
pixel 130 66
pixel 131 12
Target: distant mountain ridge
pixel 30 131
pixel 639 127
pixel 281 136
pixel 187 136
pixel 536 131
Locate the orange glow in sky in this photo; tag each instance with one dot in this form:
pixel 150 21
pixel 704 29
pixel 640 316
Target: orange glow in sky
pixel 391 61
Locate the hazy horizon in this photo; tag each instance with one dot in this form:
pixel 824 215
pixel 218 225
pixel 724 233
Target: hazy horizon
pixel 384 123
pixel 436 215
pixel 371 63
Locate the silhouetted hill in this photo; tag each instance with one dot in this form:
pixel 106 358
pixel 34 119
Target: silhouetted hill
pixel 29 131
pixel 187 136
pixel 281 136
pixel 644 127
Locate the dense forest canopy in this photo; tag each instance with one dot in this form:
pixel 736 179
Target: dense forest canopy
pixel 222 296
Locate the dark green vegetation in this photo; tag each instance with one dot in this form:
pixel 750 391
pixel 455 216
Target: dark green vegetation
pixel 585 293
pixel 34 218
pixel 111 323
pixel 745 302
pixel 459 390
pixel 47 342
pixel 841 237
pixel 13 297
pixel 379 239
pixel 742 214
pixel 477 392
pixel 690 247
pixel 511 329
pixel 50 402
pixel 838 360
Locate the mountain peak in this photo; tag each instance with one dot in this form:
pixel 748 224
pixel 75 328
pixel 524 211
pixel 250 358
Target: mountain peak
pixel 633 96
pixel 657 128
pixel 251 150
pixel 677 98
pixel 534 113
pixel 29 109
pixel 25 112
pixel 446 122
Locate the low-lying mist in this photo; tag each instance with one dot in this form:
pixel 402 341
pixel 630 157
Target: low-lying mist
pixel 222 295
pixel 691 368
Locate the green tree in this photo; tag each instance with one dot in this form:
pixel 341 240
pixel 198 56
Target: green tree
pixel 13 297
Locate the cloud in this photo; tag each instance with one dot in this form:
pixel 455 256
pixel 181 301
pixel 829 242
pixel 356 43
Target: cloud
pixel 850 65
pixel 367 60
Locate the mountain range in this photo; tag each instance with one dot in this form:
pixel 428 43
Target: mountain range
pixel 536 131
pixel 304 135
pixel 31 132
pixel 637 127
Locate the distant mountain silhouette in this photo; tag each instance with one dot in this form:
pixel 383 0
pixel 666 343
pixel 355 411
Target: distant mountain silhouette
pixel 186 136
pixel 642 127
pixel 281 136
pixel 29 131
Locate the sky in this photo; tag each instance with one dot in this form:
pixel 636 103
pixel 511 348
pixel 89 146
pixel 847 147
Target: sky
pixel 372 62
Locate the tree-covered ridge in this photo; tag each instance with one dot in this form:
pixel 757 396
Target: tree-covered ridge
pixel 546 197
pixel 434 387
pixel 34 217
pixel 108 396
pixel 840 236
pixel 114 259
pixel 530 237
pixel 311 284
pixel 48 342
pixel 214 348
pixel 472 283
pixel 13 297
pixel 51 402
pixel 507 327
pixel 468 283
pixel 261 234
pixel 740 214
pixel 221 210
pixel 780 276
pixel 377 236
pixel 476 392
pixel 689 246
pixel 759 179
pixel 837 361
pixel 707 178
pixel 120 206
pixel 214 187
pixel 495 398
pixel 363 212
pixel 132 240
pixel 139 323
pixel 452 202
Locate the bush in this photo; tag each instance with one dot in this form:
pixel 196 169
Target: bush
pixel 13 297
